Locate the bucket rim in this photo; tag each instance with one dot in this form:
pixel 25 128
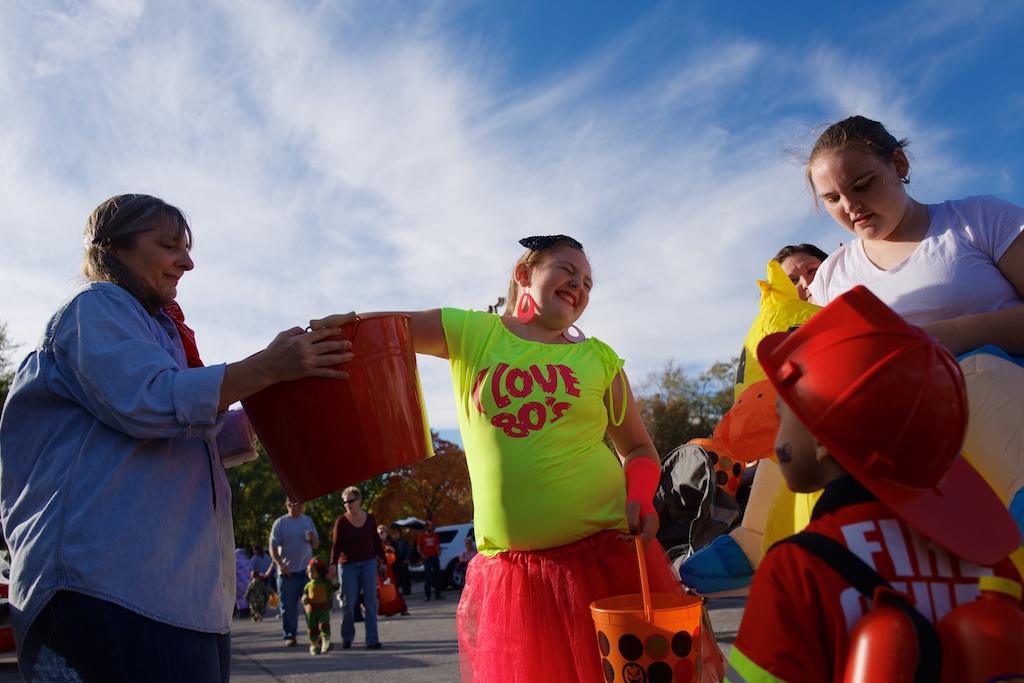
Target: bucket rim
pixel 603 604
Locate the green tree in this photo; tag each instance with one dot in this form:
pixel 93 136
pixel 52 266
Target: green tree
pixel 711 395
pixel 663 402
pixel 257 499
pixel 6 377
pixel 676 408
pixel 6 362
pixel 436 488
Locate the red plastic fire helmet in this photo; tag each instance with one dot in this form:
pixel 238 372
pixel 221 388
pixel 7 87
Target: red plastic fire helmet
pixel 880 393
pixel 889 404
pixel 317 562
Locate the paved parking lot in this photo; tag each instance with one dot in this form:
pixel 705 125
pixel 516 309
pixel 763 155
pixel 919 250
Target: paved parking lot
pixel 421 647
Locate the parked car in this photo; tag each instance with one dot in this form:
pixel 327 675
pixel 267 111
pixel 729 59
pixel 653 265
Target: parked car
pixel 453 542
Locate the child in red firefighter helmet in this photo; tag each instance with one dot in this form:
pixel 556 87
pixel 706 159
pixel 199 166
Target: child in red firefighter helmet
pixel 873 411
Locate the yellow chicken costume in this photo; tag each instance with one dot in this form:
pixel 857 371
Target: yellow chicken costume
pixel 773 512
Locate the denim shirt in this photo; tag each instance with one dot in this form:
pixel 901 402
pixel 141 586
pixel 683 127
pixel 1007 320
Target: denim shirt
pixel 110 482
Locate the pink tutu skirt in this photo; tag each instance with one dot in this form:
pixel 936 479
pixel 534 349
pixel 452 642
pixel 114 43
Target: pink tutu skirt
pixel 524 617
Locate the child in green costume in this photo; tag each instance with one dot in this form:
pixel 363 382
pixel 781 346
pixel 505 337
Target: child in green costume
pixel 256 596
pixel 316 599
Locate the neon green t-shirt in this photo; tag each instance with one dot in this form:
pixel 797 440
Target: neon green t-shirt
pixel 533 419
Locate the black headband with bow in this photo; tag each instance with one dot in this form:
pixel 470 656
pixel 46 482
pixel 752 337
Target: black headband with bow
pixel 542 242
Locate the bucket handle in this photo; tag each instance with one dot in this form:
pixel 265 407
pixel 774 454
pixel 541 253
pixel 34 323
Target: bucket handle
pixel 645 586
pixel 355 327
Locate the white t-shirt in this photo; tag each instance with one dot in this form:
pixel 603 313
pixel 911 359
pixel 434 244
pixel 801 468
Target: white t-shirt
pixel 952 272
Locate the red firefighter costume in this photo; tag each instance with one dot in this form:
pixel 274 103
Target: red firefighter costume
pixel 887 403
pixel 800 612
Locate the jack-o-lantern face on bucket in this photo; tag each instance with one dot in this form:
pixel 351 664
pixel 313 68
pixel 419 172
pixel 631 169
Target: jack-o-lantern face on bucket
pixel 634 673
pixel 656 646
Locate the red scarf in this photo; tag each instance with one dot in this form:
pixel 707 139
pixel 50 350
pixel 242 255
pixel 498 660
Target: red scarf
pixel 188 337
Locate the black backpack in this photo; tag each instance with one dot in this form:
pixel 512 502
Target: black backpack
pixel 692 508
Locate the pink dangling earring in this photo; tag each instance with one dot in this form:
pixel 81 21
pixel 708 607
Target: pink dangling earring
pixel 573 334
pixel 526 309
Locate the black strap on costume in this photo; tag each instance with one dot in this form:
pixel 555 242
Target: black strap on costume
pixel 858 574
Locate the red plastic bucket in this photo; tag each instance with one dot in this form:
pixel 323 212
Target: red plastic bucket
pixel 649 636
pixel 325 434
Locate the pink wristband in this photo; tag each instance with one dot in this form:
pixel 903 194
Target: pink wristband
pixel 642 477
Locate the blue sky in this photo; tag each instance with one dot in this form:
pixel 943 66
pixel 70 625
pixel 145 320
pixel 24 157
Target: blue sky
pixel 388 155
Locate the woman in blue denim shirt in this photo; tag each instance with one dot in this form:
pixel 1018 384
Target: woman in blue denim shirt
pixel 110 473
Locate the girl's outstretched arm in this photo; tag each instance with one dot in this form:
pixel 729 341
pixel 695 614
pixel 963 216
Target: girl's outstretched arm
pixel 639 457
pixel 427 331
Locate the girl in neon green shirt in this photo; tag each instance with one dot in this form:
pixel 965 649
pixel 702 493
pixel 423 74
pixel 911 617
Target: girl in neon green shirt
pixel 554 508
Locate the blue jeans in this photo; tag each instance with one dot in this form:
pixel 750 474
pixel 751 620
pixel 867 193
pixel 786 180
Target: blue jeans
pixel 289 590
pixel 356 577
pixel 77 637
pixel 432 575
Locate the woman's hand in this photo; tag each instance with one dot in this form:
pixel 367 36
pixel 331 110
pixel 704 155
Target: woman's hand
pixel 291 355
pixel 294 354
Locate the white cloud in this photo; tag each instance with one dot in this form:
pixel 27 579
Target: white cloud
pixel 338 156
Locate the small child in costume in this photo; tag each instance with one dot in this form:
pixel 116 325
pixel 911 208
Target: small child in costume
pixel 469 552
pixel 554 508
pixel 872 410
pixel 316 599
pixel 257 595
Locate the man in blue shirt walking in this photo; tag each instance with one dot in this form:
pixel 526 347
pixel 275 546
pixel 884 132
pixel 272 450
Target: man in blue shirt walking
pixel 293 539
